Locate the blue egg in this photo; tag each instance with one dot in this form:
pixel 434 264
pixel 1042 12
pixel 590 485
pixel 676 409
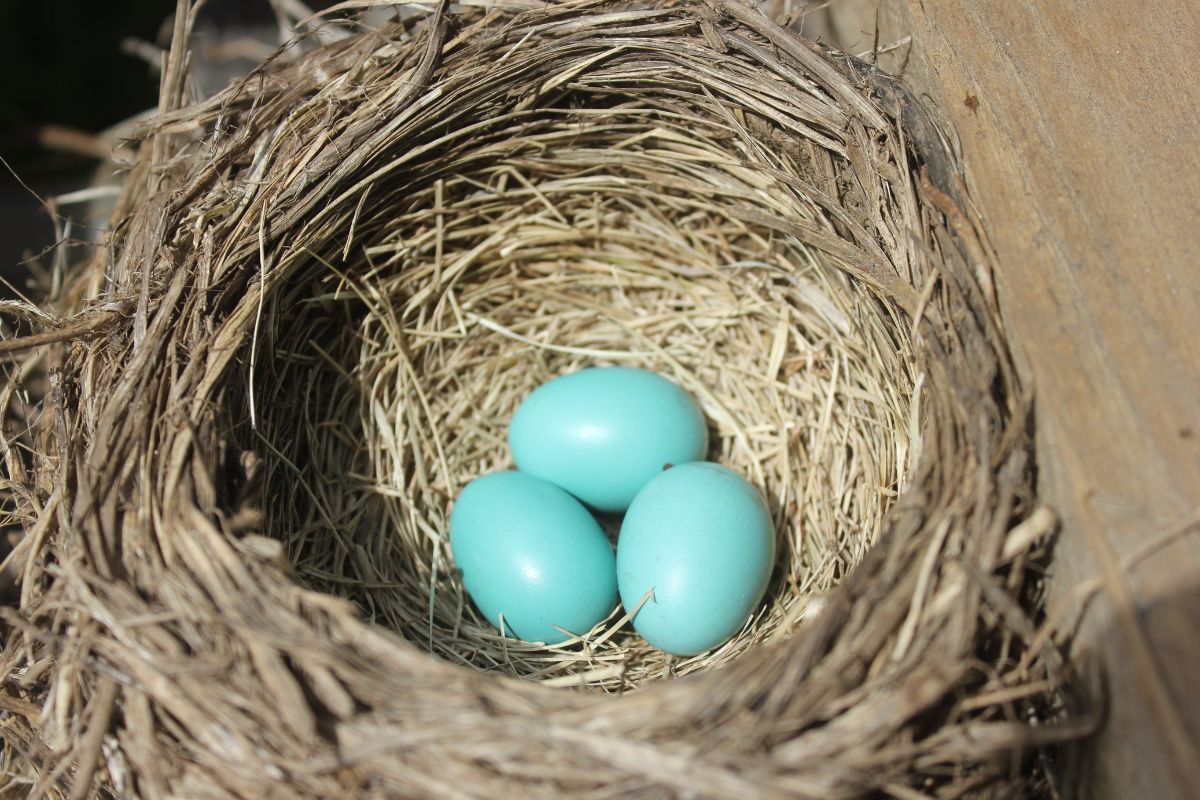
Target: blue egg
pixel 530 551
pixel 602 433
pixel 701 537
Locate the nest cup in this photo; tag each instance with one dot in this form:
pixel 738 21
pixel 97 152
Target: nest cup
pixel 590 247
pixel 328 288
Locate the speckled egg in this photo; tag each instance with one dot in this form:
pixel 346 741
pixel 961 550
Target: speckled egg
pixel 701 537
pixel 602 433
pixel 532 553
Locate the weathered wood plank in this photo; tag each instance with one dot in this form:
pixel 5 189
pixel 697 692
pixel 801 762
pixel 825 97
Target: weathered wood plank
pixel 1079 125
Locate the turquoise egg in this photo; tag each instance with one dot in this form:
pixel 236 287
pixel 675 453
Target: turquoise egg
pixel 701 537
pixel 602 433
pixel 530 551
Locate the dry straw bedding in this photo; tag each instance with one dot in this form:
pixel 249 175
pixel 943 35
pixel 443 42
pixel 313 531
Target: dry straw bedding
pixel 232 454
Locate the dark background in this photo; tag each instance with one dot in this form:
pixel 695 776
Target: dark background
pixel 66 77
pixel 64 63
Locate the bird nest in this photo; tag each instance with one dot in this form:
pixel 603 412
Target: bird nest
pixel 232 452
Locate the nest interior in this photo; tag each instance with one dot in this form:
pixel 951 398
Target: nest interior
pixel 583 243
pixel 326 290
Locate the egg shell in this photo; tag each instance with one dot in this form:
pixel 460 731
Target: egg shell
pixel 603 432
pixel 701 537
pixel 530 551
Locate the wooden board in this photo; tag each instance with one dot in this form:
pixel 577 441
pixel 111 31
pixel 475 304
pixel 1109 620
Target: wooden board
pixel 1079 124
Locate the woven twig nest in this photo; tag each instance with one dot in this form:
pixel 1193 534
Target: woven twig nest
pixel 325 292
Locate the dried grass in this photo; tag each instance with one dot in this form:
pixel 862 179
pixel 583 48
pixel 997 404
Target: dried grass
pixel 327 289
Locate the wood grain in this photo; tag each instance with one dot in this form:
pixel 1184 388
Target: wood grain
pixel 1079 127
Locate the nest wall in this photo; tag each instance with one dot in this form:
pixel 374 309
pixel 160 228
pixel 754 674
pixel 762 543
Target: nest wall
pixel 326 290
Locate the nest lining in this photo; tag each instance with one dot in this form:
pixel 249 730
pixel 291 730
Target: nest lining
pixel 596 247
pixel 326 289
